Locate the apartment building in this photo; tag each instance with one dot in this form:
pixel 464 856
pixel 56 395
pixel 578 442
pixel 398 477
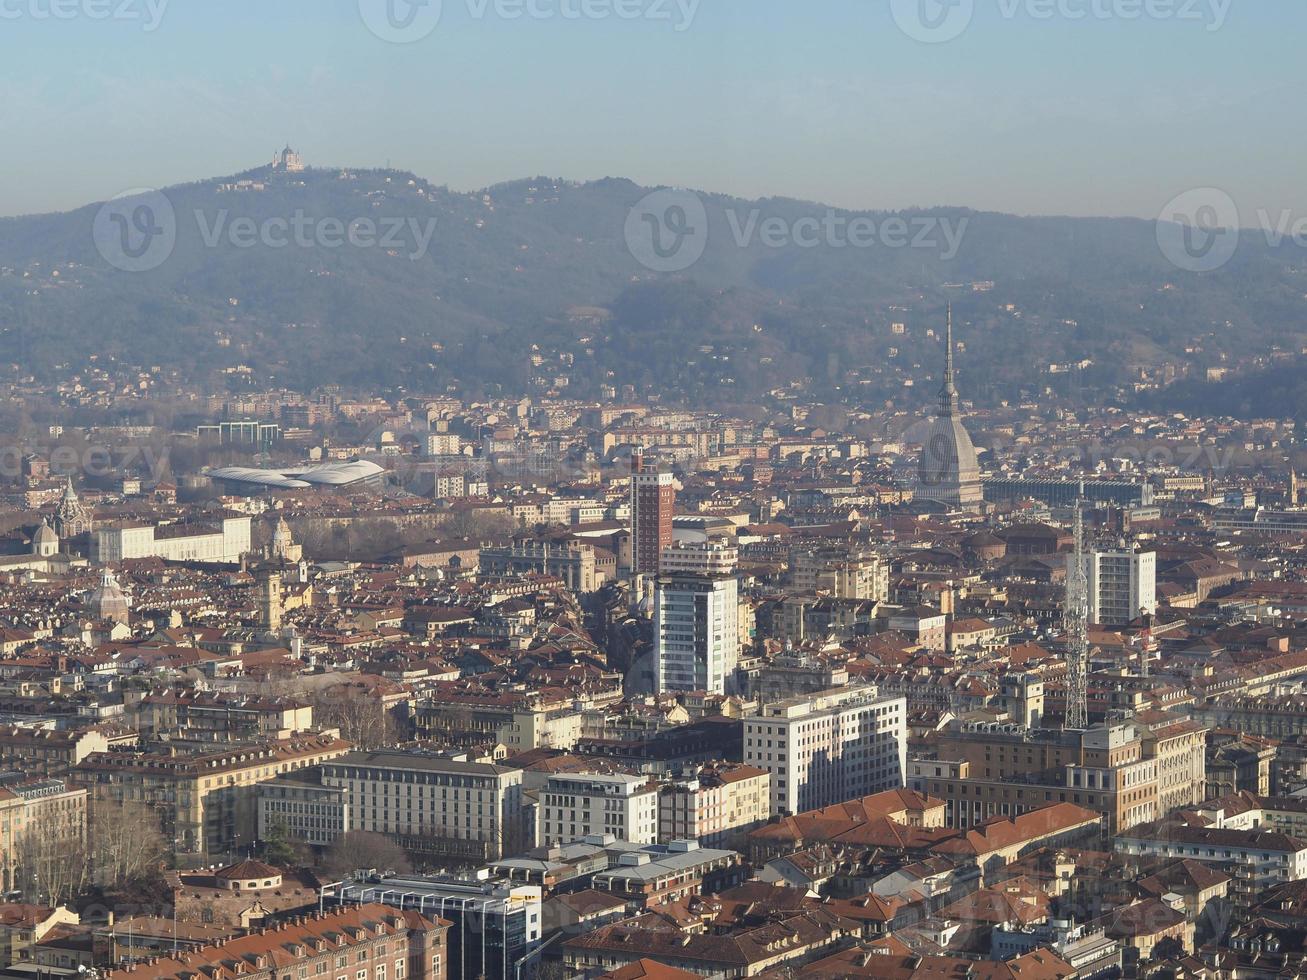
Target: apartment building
pixel 1122 585
pixel 51 752
pixel 668 872
pixel 1124 771
pixel 576 805
pixel 1258 859
pixel 838 573
pixel 699 558
pixel 716 806
pixel 520 719
pixel 574 563
pixel 23 926
pixel 653 502
pixel 222 717
pixel 364 942
pixel 831 746
pixel 696 632
pixel 1180 748
pixel 436 808
pixel 206 801
pixel 48 807
pixel 1278 716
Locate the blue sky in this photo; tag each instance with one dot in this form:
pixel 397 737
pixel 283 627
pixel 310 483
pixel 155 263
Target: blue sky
pixel 1028 110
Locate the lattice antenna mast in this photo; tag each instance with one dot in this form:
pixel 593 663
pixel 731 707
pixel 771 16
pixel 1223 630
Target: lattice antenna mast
pixel 1076 623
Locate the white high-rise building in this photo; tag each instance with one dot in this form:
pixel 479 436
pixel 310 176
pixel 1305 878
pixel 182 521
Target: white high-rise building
pixel 1122 585
pixel 703 557
pixel 828 747
pixel 696 632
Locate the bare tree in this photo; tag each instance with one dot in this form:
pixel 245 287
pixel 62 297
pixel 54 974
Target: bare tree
pixel 126 842
pixel 52 858
pixel 362 849
pixel 358 712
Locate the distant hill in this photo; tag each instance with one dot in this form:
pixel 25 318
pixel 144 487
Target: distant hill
pixel 531 281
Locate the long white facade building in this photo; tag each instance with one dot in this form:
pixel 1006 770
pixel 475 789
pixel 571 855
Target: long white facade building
pixel 829 747
pixel 223 543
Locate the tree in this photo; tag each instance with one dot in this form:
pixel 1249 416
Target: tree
pixel 279 848
pixel 360 849
pixel 126 842
pixel 52 859
pixel 358 712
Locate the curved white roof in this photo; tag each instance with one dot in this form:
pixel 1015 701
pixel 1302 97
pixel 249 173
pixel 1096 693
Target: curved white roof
pixel 266 478
pixel 337 474
pixel 301 478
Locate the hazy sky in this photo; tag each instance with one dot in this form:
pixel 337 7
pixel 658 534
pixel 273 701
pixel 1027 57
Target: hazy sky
pixel 1032 109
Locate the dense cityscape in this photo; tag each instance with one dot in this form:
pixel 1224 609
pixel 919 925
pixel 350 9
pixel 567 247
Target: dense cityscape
pixel 551 687
pixel 653 490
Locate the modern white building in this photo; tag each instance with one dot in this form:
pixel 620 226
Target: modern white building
pixel 577 805
pixel 696 632
pixel 1122 585
pixel 444 444
pixel 824 748
pixel 699 557
pixel 223 542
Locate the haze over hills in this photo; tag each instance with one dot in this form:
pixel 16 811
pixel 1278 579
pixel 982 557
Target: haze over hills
pixel 534 279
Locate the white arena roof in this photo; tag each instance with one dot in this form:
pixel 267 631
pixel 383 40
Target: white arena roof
pixel 326 475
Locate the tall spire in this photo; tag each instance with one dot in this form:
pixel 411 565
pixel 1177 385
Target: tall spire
pixel 948 395
pixel 1075 618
